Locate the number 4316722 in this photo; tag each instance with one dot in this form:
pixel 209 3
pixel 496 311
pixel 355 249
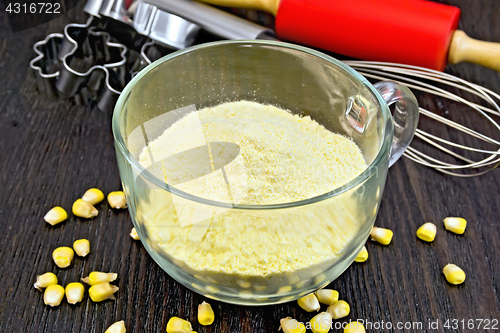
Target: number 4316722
pixel 33 8
pixel 472 324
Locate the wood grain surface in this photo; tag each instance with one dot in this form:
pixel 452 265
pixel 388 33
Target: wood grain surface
pixel 52 151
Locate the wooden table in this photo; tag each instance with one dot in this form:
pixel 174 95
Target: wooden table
pixel 52 151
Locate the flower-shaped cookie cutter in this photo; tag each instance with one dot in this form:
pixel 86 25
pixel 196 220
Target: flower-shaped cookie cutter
pixel 88 65
pixel 46 65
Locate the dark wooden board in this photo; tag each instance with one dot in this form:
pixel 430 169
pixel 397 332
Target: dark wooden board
pixel 52 151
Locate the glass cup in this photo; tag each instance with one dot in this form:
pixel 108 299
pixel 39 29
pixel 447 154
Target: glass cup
pixel 247 254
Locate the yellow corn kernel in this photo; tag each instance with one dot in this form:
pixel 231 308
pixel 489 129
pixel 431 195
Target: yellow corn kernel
pixel 93 196
pixel 81 247
pixel 427 232
pixel 455 224
pixel 289 325
pixel 339 309
pixel 362 255
pixel 212 289
pixel 178 325
pixel 83 209
pixel 309 303
pixel 134 234
pixel 321 322
pixel 355 327
pixel 95 278
pixel 206 314
pixel 55 215
pixel 117 200
pixel 381 235
pixel 284 289
pixel 102 291
pixel 454 274
pixel 53 295
pixel 45 280
pixel 118 327
pixel 327 296
pixel 63 256
pixel 74 292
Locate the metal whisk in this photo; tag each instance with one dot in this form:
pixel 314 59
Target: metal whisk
pixel 409 76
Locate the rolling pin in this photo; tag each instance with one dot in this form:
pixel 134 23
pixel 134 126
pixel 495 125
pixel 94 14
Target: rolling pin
pixel 414 32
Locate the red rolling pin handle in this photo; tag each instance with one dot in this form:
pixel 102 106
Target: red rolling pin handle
pixel 415 32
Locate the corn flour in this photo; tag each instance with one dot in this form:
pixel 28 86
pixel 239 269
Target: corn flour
pixel 274 157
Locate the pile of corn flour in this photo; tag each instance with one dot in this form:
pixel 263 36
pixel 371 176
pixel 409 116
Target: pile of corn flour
pixel 277 158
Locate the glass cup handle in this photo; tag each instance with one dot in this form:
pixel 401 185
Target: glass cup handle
pixel 405 117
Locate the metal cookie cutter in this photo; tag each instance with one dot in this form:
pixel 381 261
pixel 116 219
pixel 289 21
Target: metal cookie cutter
pixel 91 64
pixel 152 32
pixel 46 64
pixel 83 63
pixel 150 52
pixel 164 28
pixel 148 23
